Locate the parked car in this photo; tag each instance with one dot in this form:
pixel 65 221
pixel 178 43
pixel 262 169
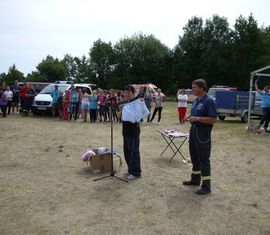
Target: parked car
pixel 43 101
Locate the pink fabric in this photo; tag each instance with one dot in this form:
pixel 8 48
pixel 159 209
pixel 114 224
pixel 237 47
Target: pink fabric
pixel 87 154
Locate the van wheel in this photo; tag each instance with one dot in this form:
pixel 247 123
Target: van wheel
pixel 244 119
pixel 222 118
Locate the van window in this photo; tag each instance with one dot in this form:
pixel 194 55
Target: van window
pixel 48 89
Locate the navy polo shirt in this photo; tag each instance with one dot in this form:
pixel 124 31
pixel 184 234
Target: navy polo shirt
pixel 205 107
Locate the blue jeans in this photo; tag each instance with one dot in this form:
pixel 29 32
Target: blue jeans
pixel 132 154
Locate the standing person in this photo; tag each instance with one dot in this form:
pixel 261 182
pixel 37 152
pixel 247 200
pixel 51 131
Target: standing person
pixel 107 107
pixel 80 102
pixel 74 100
pixel 93 107
pixel 29 98
pixel 202 118
pixel 84 104
pixel 119 99
pixel 182 105
pixel 265 94
pixel 9 96
pixel 23 91
pixel 16 96
pixel 131 139
pixel 66 105
pixel 55 94
pixel 102 105
pixel 112 98
pixel 148 101
pixel 158 105
pixel 3 102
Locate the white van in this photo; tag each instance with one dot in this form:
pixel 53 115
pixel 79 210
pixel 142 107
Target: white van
pixel 43 101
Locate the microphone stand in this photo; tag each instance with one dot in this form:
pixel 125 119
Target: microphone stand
pixel 112 173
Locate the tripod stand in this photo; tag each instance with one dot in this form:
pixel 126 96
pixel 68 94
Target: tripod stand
pixel 112 173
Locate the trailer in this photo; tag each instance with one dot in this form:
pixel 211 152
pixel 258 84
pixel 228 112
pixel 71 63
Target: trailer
pixel 236 104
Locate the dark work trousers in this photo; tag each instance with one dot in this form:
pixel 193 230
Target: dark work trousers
pixel 4 110
pixel 159 110
pixel 200 149
pixel 22 99
pixel 93 115
pixel 114 115
pixel 132 154
pixel 9 104
pixel 266 117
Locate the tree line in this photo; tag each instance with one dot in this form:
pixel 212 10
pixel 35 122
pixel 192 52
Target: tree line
pixel 207 49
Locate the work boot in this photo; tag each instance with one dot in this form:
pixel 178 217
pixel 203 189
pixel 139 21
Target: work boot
pixel 191 183
pixel 203 191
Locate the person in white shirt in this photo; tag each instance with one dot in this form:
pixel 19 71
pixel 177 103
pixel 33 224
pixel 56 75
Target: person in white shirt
pixel 9 96
pixel 182 105
pixel 85 102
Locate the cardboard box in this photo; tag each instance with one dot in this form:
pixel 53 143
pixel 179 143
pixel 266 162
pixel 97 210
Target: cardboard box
pixel 100 163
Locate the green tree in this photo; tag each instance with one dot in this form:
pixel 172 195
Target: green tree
pixel 79 69
pixel 248 49
pixel 101 60
pixel 217 55
pixel 12 75
pixel 188 53
pixel 141 59
pixel 49 70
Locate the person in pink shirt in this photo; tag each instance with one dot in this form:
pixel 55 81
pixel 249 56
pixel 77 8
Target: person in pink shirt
pixel 102 105
pixel 66 105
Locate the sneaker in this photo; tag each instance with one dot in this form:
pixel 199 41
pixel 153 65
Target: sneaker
pixel 203 191
pixel 191 183
pixel 126 174
pixel 132 177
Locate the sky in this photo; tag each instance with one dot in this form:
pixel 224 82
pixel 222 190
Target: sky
pixel 32 29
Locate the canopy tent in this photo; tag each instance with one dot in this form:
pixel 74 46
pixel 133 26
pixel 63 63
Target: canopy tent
pixel 256 73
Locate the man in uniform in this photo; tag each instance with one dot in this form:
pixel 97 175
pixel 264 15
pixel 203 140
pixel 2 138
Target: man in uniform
pixel 202 118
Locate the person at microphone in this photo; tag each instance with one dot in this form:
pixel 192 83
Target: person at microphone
pixel 131 140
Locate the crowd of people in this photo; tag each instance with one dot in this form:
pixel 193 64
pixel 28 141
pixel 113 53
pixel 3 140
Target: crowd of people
pixel 77 103
pixel 10 98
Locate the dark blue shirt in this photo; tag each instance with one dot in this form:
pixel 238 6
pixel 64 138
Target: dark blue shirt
pixel 205 107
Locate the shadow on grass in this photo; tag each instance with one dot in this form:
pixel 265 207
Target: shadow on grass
pixel 164 162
